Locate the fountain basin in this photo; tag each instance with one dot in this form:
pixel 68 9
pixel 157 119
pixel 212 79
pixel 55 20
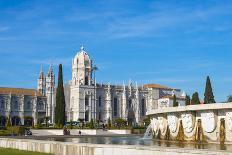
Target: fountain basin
pixel 88 145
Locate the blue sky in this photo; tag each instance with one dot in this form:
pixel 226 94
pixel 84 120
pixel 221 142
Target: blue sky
pixel 174 43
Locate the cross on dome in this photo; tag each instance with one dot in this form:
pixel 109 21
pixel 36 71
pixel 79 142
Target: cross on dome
pixel 82 47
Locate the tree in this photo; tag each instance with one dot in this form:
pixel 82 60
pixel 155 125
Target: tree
pixel 195 98
pixel 187 100
pixel 60 101
pixel 119 122
pixel 209 97
pixel 229 99
pixel 109 123
pixel 175 103
pixel 8 123
pixel 91 124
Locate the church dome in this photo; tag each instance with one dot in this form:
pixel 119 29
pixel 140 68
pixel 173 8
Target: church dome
pixel 82 57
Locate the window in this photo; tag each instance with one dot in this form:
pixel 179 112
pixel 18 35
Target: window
pixel 130 103
pixel 143 107
pixel 115 106
pixel 86 80
pixel 2 104
pixel 28 105
pixel 86 101
pixel 99 101
pixel 16 105
pixel 99 116
pixel 40 106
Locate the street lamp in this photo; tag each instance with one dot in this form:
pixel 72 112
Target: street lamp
pixel 94 69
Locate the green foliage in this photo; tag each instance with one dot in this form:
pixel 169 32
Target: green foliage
pixel 209 97
pixel 109 123
pixel 60 101
pixel 46 121
pixel 8 122
pixel 187 100
pixel 17 130
pixel 175 103
pixel 229 99
pixel 8 151
pixel 91 124
pixel 195 99
pixel 119 122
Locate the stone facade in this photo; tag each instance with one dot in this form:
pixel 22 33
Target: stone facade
pixel 22 106
pixel 85 98
pixel 89 100
pixel 29 106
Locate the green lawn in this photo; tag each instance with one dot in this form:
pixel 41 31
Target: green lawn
pixel 7 151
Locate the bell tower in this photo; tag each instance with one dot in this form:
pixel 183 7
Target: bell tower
pixel 50 93
pixel 41 86
pixel 82 68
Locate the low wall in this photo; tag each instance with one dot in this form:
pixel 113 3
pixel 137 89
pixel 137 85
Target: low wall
pixel 65 148
pixel 44 132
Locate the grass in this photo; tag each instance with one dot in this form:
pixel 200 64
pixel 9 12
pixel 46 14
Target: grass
pixel 7 151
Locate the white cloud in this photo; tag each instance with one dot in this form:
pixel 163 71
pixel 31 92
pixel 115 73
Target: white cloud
pixel 4 28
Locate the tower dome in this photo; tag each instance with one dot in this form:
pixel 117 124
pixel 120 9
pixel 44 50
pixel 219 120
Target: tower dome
pixel 82 68
pixel 82 58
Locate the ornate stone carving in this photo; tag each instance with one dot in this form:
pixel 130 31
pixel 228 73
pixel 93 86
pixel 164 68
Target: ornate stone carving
pixel 162 124
pixel 208 121
pixel 155 125
pixel 229 120
pixel 188 121
pixel 172 122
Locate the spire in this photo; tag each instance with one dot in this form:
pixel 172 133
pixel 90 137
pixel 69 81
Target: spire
pixel 124 87
pixel 50 71
pixel 41 76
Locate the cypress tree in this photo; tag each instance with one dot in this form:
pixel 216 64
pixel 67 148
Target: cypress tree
pixel 60 101
pixel 229 99
pixel 175 103
pixel 195 98
pixel 187 100
pixel 209 97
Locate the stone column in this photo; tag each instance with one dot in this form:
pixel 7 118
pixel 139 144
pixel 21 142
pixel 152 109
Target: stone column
pixel 124 104
pixel 21 109
pixel 137 107
pixel 34 111
pixel 108 107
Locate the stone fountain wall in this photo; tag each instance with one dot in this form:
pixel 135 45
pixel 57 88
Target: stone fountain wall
pixel 69 148
pixel 193 123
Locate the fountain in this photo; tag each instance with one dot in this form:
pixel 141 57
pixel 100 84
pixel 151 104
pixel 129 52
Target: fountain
pixel 148 133
pixel 199 136
pixel 222 131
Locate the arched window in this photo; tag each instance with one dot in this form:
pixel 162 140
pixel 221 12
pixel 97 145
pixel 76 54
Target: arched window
pixel 143 107
pixel 115 106
pixel 99 101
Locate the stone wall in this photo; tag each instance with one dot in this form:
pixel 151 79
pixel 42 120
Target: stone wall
pixel 208 122
pixel 66 148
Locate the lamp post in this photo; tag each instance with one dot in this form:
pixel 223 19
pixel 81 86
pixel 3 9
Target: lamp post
pixel 94 69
